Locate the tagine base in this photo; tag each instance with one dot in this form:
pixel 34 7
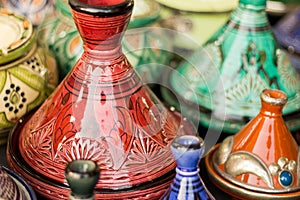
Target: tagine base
pixel 238 192
pixel 50 189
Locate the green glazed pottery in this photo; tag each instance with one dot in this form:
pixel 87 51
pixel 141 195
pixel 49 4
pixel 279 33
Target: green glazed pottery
pixel 58 33
pixel 144 47
pixel 144 12
pixel 27 73
pixel 226 76
pixel 145 43
pixel 192 29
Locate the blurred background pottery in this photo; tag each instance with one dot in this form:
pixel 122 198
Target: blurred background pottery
pixel 28 73
pixel 287 32
pixel 33 10
pixel 145 43
pixel 146 48
pixel 201 5
pixel 191 29
pixel 102 112
pixel 59 35
pixel 187 150
pixel 13 187
pixel 261 161
pixel 226 76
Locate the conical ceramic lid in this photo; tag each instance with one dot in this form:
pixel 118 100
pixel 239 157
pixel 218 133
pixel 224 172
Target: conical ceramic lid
pixel 263 157
pixel 228 74
pixel 16 36
pixel 101 111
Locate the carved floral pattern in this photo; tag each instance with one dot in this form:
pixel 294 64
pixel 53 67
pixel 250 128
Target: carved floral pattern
pixel 84 148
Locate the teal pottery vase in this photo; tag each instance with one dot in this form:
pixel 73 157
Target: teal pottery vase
pixel 34 10
pixel 187 151
pixel 82 177
pixel 28 73
pixel 144 47
pixel 225 77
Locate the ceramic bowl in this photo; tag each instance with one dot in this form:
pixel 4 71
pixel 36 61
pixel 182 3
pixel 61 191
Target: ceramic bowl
pixel 27 72
pixel 14 187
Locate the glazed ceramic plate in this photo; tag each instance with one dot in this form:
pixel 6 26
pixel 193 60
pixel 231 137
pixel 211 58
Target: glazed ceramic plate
pixel 15 32
pixel 201 5
pixel 144 12
pixel 22 185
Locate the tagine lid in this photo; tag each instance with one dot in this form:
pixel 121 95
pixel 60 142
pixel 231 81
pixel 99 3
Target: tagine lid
pixel 102 111
pixel 263 157
pixel 16 36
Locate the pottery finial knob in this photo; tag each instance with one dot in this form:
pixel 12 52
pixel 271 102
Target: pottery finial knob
pixel 82 176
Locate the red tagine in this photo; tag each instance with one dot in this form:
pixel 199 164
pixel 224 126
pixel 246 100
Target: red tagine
pixel 101 112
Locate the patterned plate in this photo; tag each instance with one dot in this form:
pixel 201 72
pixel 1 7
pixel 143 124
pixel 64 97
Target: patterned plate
pixel 15 35
pixel 14 187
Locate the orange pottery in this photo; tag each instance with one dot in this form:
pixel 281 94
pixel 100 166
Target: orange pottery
pixel 262 160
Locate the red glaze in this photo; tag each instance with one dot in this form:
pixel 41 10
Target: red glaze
pixel 101 111
pixel 101 2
